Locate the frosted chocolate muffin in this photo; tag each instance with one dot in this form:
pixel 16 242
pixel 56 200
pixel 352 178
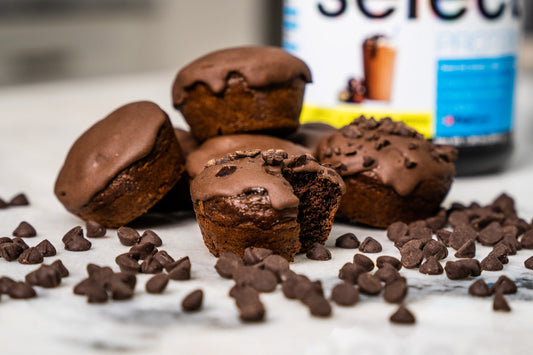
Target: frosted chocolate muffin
pixel 391 172
pixel 240 90
pixel 265 199
pixel 121 166
pixel 217 147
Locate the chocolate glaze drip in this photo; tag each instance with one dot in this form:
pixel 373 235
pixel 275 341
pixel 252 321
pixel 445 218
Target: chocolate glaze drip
pixel 260 66
pixel 219 146
pixel 390 151
pixel 108 147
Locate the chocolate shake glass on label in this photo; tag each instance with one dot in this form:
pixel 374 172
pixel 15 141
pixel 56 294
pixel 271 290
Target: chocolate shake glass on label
pixel 378 61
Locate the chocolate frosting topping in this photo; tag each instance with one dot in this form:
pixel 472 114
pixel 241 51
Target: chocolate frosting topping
pixel 260 66
pixel 220 146
pixel 390 151
pixel 104 150
pixel 253 170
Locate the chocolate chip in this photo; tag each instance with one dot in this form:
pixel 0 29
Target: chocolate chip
pixel 21 290
pixel 347 241
pixel 527 240
pixel 461 234
pixel 491 234
pixel 499 303
pixel 529 263
pixel 254 255
pixel 150 265
pixel 277 264
pixel 491 263
pixel 128 236
pixel 395 291
pixel 387 273
pixel 460 269
pixel 149 236
pixel 119 289
pixel 157 283
pixel 350 272
pixel 397 230
pixel 275 157
pixel 386 259
pixel 164 258
pixel 24 230
pixel 19 200
pixel 226 170
pixel 501 251
pixel 30 256
pixel 20 242
pixel 366 263
pixel 82 287
pixel 443 236
pixel 74 233
pixel 250 307
pixel 193 301
pixel 5 240
pixel 289 284
pixel 412 256
pixel 3 204
pixel 58 265
pixel 102 275
pixel 468 250
pixel 5 284
pixel 76 242
pixel 505 204
pixel 457 218
pixel 370 245
pixel 95 229
pixel 402 316
pixel 435 248
pixel 46 248
pixel 318 252
pixel 127 263
pixel 306 287
pixel 227 264
pixel 318 305
pixel 479 288
pixel 45 276
pixel 344 294
pixel 181 269
pixel 142 250
pixel 504 285
pixel 10 251
pixel 95 292
pixel 431 266
pixel 437 222
pixel 369 284
pixel 367 161
pixel 263 280
pixel 419 230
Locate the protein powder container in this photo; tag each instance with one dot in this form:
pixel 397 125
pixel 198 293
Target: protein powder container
pixel 446 67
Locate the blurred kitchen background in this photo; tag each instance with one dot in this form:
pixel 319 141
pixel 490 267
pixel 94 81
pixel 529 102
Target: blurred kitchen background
pixel 43 40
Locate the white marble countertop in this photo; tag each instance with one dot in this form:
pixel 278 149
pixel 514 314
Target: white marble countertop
pixel 38 123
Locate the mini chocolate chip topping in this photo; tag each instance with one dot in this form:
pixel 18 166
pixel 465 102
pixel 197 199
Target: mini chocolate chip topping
pixel 108 147
pixel 214 68
pixel 394 164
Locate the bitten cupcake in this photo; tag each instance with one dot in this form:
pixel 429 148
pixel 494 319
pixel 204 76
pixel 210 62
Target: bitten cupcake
pixel 239 90
pixel 121 166
pixel 265 199
pixel 391 172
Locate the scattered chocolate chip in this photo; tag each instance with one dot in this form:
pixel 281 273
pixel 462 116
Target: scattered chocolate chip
pixel 181 269
pixel 344 294
pixel 227 264
pixel 24 230
pixel 369 284
pixel 387 273
pixel 119 289
pixel 527 240
pixel 463 268
pixel 305 287
pixel 491 263
pixel 347 241
pixel 127 263
pixel 318 305
pixel 435 248
pixel 77 243
pixel 350 272
pixel 458 217
pixel 501 251
pixel 366 263
pixel 5 284
pixel 397 230
pixel 157 283
pixel 386 259
pixel 479 288
pixel 318 252
pixel 19 200
pixel 461 234
pixel 20 242
pixel 128 236
pixel 443 235
pixel 30 256
pixel 95 229
pixel 395 291
pixel 419 230
pixel 504 285
pixel 370 245
pixel 46 248
pixel 21 290
pixel 263 280
pixel 3 204
pixel 491 234
pixel 58 265
pixel 277 264
pixel 468 250
pixel 45 276
pixel 499 303
pixel 5 240
pixel 82 286
pixel 142 250
pixel 150 265
pixel 437 222
pixel 402 316
pixel 149 236
pixel 164 258
pixel 250 307
pixel 431 266
pixel 100 274
pixel 74 233
pixel 254 255
pixel 290 282
pixel 193 301
pixel 529 263
pixel 412 256
pixel 10 251
pixel 95 292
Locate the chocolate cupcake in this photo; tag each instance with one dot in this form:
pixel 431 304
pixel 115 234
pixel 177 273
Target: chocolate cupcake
pixel 217 147
pixel 240 90
pixel 391 172
pixel 265 199
pixel 121 166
